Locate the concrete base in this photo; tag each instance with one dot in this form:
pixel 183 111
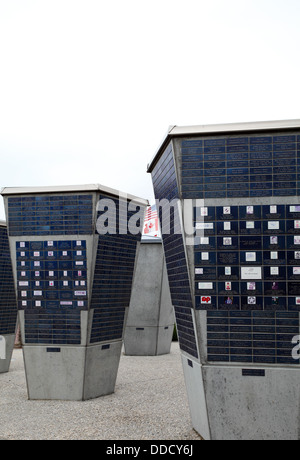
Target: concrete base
pixel 225 405
pixel 9 346
pixel 253 408
pixel 148 341
pixel 193 377
pixel 150 322
pixel 71 373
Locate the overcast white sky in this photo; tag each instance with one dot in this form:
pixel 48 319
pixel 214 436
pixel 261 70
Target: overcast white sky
pixel 88 88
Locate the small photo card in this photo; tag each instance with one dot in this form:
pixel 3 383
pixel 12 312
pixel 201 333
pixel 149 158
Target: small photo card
pixel 250 224
pixel 228 271
pixel 294 208
pixel 250 210
pixel 251 286
pixel 273 209
pixel 227 225
pixel 227 241
pixel 228 286
pixel 274 270
pixel 297 224
pixel 205 300
pixel 228 300
pixel 204 255
pixel 273 225
pixel 251 256
pixel 205 286
pixel 226 210
pixel 251 300
pixel 204 211
pixel 203 240
pixel 273 239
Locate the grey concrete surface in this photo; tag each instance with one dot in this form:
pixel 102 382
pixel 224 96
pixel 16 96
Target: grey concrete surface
pixel 149 403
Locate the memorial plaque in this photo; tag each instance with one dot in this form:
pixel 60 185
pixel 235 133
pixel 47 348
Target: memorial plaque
pixel 205 273
pixel 205 242
pixel 251 243
pixel 228 302
pixel 228 258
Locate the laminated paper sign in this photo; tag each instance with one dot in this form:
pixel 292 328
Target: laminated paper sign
pixel 251 273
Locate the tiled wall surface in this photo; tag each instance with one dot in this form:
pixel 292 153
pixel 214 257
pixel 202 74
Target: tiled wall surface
pixel 52 269
pixel 50 215
pixel 165 187
pixel 241 166
pixel 8 302
pixel 113 281
pixel 246 258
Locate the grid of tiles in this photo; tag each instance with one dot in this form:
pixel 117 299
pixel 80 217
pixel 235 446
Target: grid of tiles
pixel 61 328
pixel 165 187
pixel 247 277
pixel 8 302
pixel 241 166
pixel 52 289
pixel 113 278
pixel 248 257
pixel 257 337
pixel 50 215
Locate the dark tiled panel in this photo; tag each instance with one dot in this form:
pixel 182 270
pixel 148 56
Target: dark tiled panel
pixel 52 289
pixel 113 280
pixel 8 302
pixel 52 327
pixel 265 238
pixel 165 187
pixel 241 166
pixel 50 215
pixel 257 337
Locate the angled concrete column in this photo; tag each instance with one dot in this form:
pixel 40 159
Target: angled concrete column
pixel 150 321
pixel 233 262
pixel 8 302
pixel 73 259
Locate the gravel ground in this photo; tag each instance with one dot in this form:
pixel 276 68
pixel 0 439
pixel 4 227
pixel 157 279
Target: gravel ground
pixel 149 403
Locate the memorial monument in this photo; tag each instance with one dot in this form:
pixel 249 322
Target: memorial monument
pixel 232 247
pixel 150 321
pixel 73 251
pixel 8 302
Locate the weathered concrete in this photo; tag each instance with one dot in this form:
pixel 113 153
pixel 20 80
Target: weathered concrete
pixel 150 321
pixel 7 346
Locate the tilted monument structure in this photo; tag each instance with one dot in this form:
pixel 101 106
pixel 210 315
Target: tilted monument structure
pixel 150 321
pixel 73 251
pixel 233 261
pixel 8 302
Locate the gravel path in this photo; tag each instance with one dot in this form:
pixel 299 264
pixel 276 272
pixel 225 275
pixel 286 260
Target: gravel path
pixel 149 403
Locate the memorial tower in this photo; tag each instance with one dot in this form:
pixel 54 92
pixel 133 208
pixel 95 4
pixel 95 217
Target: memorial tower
pixel 8 302
pixel 233 261
pixel 73 251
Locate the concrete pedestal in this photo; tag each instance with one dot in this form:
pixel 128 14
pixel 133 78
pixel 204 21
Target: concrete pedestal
pixel 150 321
pixel 7 347
pixel 73 279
